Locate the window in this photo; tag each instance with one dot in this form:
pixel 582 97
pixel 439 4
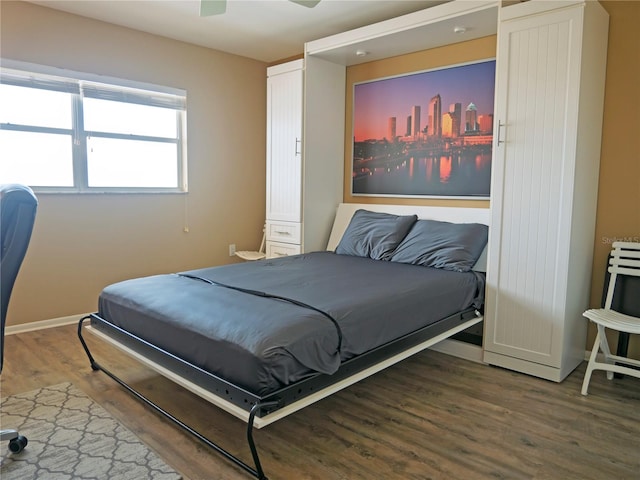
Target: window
pixel 82 133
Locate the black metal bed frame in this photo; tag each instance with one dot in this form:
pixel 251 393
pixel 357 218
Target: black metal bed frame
pixel 256 405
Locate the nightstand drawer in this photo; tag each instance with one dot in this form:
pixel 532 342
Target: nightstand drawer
pixel 288 232
pixel 277 249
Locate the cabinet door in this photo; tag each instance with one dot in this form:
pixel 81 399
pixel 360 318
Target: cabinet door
pixel 284 146
pixel 532 188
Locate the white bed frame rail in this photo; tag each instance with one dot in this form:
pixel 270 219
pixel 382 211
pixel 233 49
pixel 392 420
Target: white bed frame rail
pixel 265 420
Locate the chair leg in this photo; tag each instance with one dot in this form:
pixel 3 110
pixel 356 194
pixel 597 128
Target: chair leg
pixel 604 346
pixel 591 364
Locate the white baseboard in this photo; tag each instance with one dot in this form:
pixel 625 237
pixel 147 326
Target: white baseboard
pixel 459 349
pixel 474 353
pixel 42 324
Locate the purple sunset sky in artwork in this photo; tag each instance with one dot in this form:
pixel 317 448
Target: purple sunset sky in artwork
pixel 376 101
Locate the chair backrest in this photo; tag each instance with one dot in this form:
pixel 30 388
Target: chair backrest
pixel 624 260
pixel 17 215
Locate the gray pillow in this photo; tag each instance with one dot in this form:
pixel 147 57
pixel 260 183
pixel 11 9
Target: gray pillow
pixel 450 246
pixel 373 234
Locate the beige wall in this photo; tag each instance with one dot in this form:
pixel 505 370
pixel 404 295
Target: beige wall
pixel 81 243
pixel 618 214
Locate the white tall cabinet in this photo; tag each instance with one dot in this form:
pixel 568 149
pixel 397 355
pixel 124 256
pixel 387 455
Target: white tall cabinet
pixel 548 120
pixel 303 188
pixel 284 159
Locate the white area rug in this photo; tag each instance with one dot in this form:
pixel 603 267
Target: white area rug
pixel 72 437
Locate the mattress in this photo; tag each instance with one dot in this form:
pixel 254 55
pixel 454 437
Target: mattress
pixel 264 325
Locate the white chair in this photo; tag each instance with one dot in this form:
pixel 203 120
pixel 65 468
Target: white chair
pixel 625 260
pixel 251 255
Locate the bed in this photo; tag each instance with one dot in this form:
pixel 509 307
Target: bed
pixel 264 339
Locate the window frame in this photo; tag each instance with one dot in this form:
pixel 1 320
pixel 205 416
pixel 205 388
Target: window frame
pixel 81 85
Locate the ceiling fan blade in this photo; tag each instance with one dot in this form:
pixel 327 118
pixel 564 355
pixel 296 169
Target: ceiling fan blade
pixel 306 3
pixel 212 7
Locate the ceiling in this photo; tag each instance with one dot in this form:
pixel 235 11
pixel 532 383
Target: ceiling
pixel 265 30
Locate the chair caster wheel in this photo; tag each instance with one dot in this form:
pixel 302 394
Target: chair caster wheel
pixel 16 445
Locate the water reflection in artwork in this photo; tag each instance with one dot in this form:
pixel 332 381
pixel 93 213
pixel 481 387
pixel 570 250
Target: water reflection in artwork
pixel 460 175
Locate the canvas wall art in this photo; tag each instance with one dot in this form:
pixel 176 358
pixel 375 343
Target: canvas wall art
pixel 425 134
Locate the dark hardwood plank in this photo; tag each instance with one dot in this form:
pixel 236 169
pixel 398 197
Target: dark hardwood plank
pixel 430 417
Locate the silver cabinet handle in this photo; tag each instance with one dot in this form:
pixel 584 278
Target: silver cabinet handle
pixel 298 142
pixel 282 233
pixel 500 125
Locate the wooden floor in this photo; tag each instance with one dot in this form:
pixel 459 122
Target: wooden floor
pixel 430 417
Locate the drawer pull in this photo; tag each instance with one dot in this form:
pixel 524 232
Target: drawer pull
pixel 500 125
pixel 279 232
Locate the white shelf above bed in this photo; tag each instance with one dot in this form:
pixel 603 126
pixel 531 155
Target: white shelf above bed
pixel 429 28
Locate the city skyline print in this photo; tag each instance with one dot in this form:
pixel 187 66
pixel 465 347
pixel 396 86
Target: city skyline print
pixel 426 133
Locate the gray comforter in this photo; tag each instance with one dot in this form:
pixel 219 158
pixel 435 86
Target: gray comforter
pixel 262 343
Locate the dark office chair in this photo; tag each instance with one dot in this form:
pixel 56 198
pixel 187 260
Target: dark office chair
pixel 17 215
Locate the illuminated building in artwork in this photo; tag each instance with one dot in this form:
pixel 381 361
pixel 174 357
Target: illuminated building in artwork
pixel 435 117
pixel 485 123
pixel 448 129
pixel 471 119
pixel 415 115
pixel 391 129
pixel 454 118
pixel 408 130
